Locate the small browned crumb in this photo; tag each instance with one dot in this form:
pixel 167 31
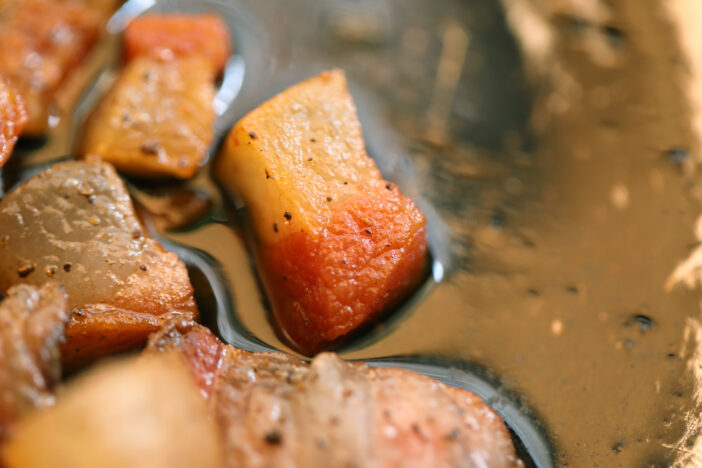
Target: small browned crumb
pixel 150 147
pixel 25 270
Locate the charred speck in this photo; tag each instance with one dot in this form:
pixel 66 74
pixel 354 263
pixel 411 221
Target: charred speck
pixel 287 216
pixel 275 227
pixel 25 270
pixel 614 35
pixel 388 186
pixel 644 322
pixel 671 356
pixel 273 437
pixel 329 199
pixel 677 156
pixel 497 219
pixel 253 135
pixel 66 267
pixel 346 182
pixel 268 176
pixel 617 448
pixel 143 267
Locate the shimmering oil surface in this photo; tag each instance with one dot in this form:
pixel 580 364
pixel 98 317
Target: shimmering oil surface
pixel 558 210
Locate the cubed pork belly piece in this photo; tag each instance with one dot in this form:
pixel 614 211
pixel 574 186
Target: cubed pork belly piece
pixel 337 245
pixel 74 223
pixel 277 410
pixel 32 326
pixel 41 42
pixel 158 119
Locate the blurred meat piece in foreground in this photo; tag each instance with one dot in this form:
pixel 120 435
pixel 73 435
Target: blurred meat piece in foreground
pixel 13 118
pixel 41 41
pixel 32 324
pixel 74 223
pixel 276 410
pixel 140 413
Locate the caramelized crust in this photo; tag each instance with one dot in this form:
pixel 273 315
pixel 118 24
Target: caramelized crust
pixel 13 118
pixel 168 36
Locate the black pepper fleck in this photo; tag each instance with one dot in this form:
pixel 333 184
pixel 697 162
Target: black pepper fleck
pixel 287 216
pixel 268 176
pixel 275 227
pixel 273 437
pixel 313 140
pixel 388 186
pixel 143 267
pixel 346 182
pixel 329 198
pixel 66 267
pixel 253 135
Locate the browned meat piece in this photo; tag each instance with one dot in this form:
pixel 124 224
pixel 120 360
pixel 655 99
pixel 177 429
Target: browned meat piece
pixel 41 41
pixel 276 410
pixel 74 223
pixel 158 119
pixel 32 324
pixel 143 412
pixel 13 118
